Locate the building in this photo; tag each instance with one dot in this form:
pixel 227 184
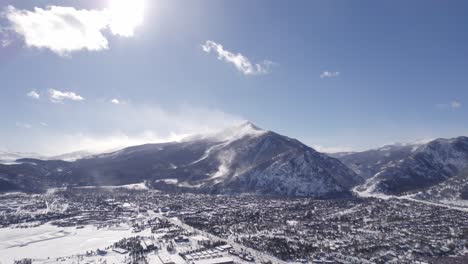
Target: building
pixel 222 260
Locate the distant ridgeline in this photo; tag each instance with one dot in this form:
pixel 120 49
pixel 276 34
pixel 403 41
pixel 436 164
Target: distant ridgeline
pixel 247 159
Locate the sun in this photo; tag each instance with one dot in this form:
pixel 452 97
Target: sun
pixel 125 16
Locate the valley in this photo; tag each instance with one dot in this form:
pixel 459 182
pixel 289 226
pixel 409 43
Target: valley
pixel 240 195
pixel 88 224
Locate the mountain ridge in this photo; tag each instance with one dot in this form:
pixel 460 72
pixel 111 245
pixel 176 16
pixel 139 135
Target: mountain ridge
pixel 241 159
pixel 399 169
pixel 248 159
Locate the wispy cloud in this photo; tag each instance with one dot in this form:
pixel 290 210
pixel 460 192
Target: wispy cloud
pixel 57 96
pixel 110 142
pixel 329 74
pixel 5 42
pixel 5 37
pixel 241 62
pixel 23 125
pixel 115 101
pixel 67 29
pixel 455 104
pixel 127 125
pixel 33 94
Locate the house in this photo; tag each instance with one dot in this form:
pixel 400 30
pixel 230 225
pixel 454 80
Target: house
pixel 181 239
pixel 148 244
pixel 120 250
pixel 222 260
pixel 165 259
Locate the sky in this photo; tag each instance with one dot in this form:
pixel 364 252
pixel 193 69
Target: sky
pixel 337 75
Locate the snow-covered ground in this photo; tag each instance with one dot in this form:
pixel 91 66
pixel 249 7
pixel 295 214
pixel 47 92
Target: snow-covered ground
pixel 259 256
pixel 48 244
pixel 51 242
pixel 460 203
pixel 135 186
pixel 367 194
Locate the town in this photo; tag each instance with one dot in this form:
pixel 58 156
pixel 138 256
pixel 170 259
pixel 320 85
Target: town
pixel 148 226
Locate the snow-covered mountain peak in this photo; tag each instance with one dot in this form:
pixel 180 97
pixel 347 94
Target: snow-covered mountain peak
pixel 240 131
pixel 232 133
pixel 237 132
pixel 401 145
pixel 247 125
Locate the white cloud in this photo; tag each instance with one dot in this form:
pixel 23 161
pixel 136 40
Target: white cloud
pixel 60 29
pixel 107 127
pixel 329 74
pixel 125 16
pixel 115 101
pixel 455 104
pixel 33 94
pixel 44 124
pixel 241 62
pixel 67 29
pixel 23 125
pixel 111 142
pixel 57 96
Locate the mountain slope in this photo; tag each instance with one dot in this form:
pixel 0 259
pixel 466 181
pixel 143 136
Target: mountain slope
pixel 370 162
pixel 72 156
pixel 242 159
pixel 268 163
pixel 11 157
pixel 426 166
pixel 453 191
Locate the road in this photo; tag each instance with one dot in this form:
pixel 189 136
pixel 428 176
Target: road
pixel 406 198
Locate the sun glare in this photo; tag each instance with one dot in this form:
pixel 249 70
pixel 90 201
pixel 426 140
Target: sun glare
pixel 125 16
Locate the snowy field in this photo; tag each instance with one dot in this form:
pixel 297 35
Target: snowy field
pixel 135 186
pixel 49 241
pixel 455 205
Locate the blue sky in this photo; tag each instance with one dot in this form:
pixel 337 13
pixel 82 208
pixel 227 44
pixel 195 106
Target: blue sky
pixel 337 75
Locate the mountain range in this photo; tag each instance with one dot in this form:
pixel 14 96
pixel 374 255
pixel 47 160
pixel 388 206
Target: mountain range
pixel 11 157
pixel 241 159
pixel 399 169
pixel 248 159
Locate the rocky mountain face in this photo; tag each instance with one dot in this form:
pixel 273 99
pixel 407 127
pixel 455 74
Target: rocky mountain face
pixel 414 168
pixel 370 162
pixel 242 159
pixel 268 163
pixel 453 191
